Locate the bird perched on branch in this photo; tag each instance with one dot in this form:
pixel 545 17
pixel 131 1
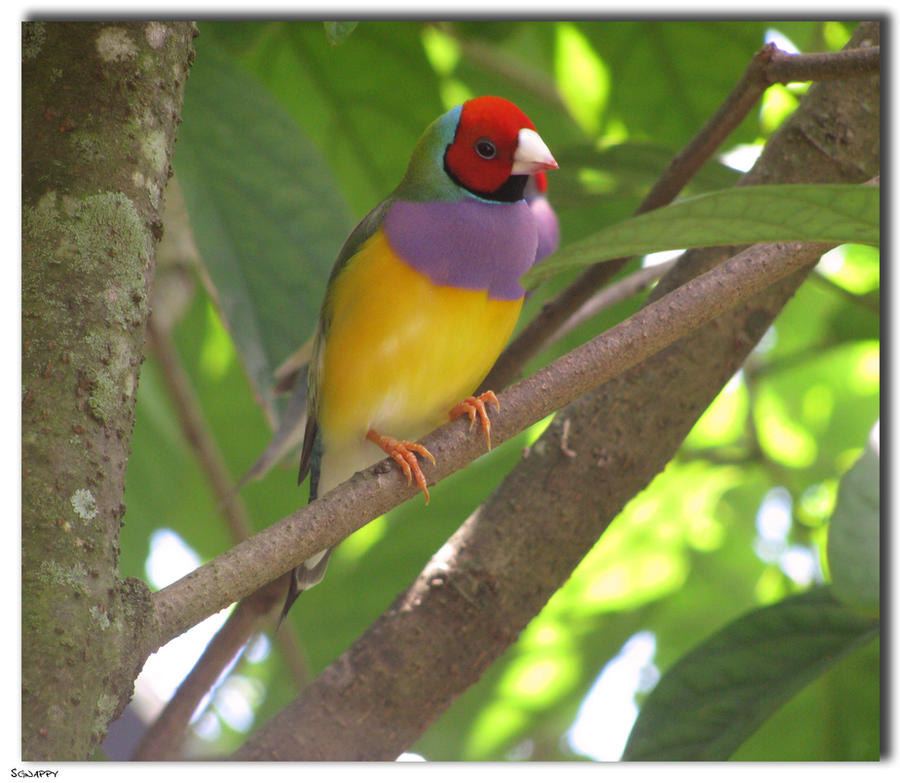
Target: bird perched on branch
pixel 422 298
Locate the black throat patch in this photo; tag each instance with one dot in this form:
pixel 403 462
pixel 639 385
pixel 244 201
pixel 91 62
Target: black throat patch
pixel 509 192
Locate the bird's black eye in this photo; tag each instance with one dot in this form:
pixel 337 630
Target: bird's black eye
pixel 486 149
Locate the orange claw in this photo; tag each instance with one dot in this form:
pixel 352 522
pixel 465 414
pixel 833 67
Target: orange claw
pixel 471 406
pixel 403 452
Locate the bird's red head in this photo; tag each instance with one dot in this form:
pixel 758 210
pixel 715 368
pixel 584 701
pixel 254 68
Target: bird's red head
pixel 490 146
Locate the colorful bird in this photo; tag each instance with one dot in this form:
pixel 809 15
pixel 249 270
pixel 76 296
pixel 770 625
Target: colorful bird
pixel 291 376
pixel 422 298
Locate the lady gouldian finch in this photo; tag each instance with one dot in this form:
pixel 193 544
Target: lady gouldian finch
pixel 291 376
pixel 423 297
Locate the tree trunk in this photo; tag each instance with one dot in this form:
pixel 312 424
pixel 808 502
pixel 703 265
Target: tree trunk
pixel 100 107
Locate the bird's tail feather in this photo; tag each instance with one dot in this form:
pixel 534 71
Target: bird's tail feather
pixel 305 576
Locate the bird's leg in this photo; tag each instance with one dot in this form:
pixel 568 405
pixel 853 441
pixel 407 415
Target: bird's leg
pixel 472 406
pixel 403 452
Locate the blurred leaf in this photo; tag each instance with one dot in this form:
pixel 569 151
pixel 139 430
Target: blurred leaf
pixel 760 213
pixel 816 318
pixel 637 161
pixel 336 32
pixel 724 420
pixel 853 538
pixel 814 405
pixel 267 216
pixel 363 104
pixel 853 267
pixel 662 86
pixel 152 498
pixel 582 78
pixel 715 697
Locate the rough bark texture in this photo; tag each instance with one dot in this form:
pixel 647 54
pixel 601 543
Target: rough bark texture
pixel 100 106
pixel 474 598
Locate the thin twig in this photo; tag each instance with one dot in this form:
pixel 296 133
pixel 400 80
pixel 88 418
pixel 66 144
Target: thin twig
pixel 823 66
pixel 162 741
pixel 618 292
pixel 163 738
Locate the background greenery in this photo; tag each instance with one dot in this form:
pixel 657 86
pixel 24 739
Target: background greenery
pixel 286 141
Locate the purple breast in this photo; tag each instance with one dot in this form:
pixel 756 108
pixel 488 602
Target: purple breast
pixel 466 244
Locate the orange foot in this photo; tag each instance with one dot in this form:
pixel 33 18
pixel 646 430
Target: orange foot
pixel 472 406
pixel 403 452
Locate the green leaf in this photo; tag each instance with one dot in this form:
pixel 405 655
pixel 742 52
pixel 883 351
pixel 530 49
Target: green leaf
pixel 853 537
pixel 336 32
pixel 346 98
pixel 267 216
pixel 659 87
pixel 760 213
pixel 716 697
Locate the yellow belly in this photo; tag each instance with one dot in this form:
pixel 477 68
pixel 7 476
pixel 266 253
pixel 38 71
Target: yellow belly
pixel 400 351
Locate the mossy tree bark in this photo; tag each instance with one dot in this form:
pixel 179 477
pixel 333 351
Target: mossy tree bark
pixel 100 107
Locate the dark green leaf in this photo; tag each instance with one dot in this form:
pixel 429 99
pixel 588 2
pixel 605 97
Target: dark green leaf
pixel 853 538
pixel 363 104
pixel 715 697
pixel 835 718
pixel 761 213
pixel 267 216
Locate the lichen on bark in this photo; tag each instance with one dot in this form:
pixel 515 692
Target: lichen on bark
pixel 98 133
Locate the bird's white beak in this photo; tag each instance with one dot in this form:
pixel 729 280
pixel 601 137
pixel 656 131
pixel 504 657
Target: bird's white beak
pixel 532 155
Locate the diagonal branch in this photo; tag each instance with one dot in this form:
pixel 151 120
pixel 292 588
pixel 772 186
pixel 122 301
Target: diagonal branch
pixel 164 738
pixel 474 597
pixel 328 520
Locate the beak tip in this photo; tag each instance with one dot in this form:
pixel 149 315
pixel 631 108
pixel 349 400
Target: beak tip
pixel 532 154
